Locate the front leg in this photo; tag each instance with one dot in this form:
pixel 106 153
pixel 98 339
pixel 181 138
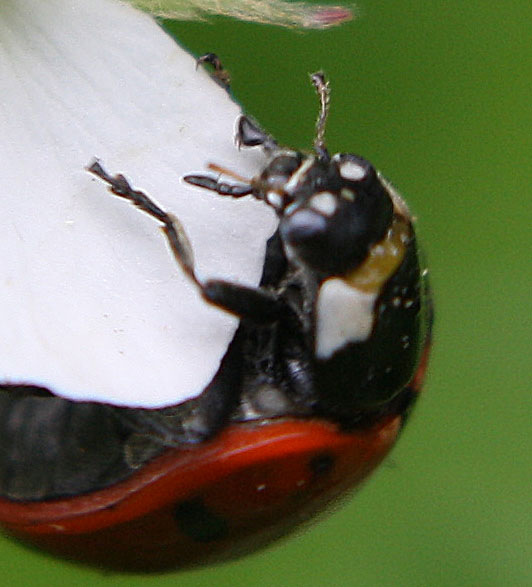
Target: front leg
pixel 255 304
pixel 250 134
pixel 220 187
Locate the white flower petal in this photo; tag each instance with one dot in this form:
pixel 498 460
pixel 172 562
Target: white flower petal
pixel 93 306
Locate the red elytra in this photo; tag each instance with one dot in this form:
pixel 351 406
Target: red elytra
pixel 249 486
pixel 211 502
pixel 215 501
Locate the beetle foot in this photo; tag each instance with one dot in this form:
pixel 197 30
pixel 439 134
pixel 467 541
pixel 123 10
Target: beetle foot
pixel 220 74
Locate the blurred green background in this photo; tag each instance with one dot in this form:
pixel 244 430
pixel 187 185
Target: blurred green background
pixel 438 96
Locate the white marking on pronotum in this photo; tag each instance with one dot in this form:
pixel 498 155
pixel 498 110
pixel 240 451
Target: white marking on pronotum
pixel 324 202
pixel 292 184
pixel 352 171
pixel 344 315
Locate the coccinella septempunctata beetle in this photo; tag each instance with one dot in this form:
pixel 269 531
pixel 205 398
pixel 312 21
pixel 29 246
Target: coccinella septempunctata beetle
pixel 312 393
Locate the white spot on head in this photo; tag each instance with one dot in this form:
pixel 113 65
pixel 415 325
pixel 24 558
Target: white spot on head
pixel 324 202
pixel 344 315
pixel 352 171
pixel 274 199
pixel 304 223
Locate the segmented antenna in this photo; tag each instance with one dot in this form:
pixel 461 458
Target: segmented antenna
pixel 324 94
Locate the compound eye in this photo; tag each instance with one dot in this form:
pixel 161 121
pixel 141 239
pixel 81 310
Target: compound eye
pixel 284 164
pixel 279 170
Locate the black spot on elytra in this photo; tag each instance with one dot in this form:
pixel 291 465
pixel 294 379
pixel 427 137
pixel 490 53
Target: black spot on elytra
pixel 198 522
pixel 321 464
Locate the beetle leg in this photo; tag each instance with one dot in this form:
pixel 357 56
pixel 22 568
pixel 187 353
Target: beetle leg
pixel 172 228
pixel 220 187
pixel 255 304
pixel 220 74
pixel 249 134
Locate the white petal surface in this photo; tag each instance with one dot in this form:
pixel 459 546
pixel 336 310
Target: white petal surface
pixel 92 304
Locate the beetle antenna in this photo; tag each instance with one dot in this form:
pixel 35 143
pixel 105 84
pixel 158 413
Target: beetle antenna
pixel 324 94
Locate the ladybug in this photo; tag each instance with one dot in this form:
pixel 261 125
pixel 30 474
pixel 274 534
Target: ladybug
pixel 315 386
